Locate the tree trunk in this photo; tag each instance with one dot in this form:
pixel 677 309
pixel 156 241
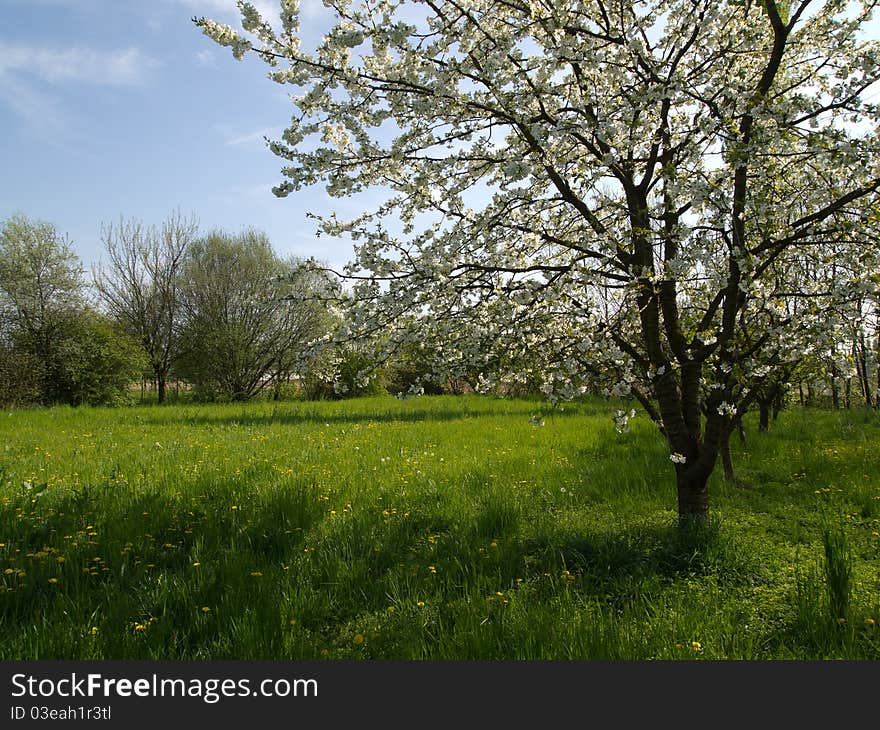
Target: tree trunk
pixel 835 396
pixel 693 493
pixel 764 418
pixel 847 394
pixel 778 401
pixel 160 387
pixel 726 461
pixel 863 359
pixel 741 431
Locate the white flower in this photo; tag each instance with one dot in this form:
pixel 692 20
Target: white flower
pixel 725 409
pixel 676 458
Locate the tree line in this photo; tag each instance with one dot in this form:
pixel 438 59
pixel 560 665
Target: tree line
pixel 222 312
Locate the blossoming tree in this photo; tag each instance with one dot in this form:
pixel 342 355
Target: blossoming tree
pixel 620 189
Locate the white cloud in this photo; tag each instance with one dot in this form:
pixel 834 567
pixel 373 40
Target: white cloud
pixel 228 10
pixel 253 137
pixel 123 67
pixel 39 111
pixel 205 58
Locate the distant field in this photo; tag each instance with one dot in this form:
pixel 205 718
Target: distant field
pixel 435 528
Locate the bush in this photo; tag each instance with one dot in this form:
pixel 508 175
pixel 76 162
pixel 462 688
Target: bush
pixel 94 363
pixel 21 378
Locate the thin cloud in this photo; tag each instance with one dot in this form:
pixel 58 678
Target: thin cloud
pixel 38 110
pixel 228 10
pixel 123 67
pixel 205 58
pixel 253 137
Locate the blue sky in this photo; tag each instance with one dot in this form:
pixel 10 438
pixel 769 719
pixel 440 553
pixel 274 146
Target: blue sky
pixel 114 108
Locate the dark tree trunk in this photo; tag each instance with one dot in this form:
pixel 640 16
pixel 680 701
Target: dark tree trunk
pixel 764 417
pixel 863 363
pixel 726 461
pixel 160 387
pixel 835 396
pixel 801 393
pixel 693 493
pixel 847 394
pixel 778 401
pixel 741 431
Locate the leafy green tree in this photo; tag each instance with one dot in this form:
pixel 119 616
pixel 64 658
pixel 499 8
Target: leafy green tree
pixel 247 316
pixel 41 284
pixel 95 362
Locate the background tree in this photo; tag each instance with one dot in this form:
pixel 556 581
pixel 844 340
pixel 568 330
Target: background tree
pixel 56 348
pixel 244 322
pixel 96 362
pixel 41 284
pixel 139 286
pixel 629 174
pixel 41 294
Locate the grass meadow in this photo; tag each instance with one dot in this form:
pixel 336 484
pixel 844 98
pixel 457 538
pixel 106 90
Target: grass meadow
pixel 432 528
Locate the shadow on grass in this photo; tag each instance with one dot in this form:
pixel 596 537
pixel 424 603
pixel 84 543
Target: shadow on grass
pixel 299 413
pixel 205 575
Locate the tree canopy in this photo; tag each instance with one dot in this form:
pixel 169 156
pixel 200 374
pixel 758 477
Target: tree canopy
pixel 633 190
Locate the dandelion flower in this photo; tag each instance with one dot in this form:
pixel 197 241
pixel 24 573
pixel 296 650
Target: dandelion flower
pixel 358 639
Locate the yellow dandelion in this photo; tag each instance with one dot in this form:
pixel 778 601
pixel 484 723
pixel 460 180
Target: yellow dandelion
pixel 869 622
pixel 196 564
pixel 391 609
pixel 8 571
pixel 357 640
pixel 841 621
pixel 696 646
pixel 420 604
pixel 93 630
pixel 53 580
pixel 205 609
pixel 256 574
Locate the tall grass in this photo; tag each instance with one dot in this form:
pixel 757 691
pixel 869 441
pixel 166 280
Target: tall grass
pixel 442 527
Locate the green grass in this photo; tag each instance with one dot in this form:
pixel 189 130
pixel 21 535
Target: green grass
pixel 433 528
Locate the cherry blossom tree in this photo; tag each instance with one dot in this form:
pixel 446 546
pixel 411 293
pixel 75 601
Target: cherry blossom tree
pixel 622 190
